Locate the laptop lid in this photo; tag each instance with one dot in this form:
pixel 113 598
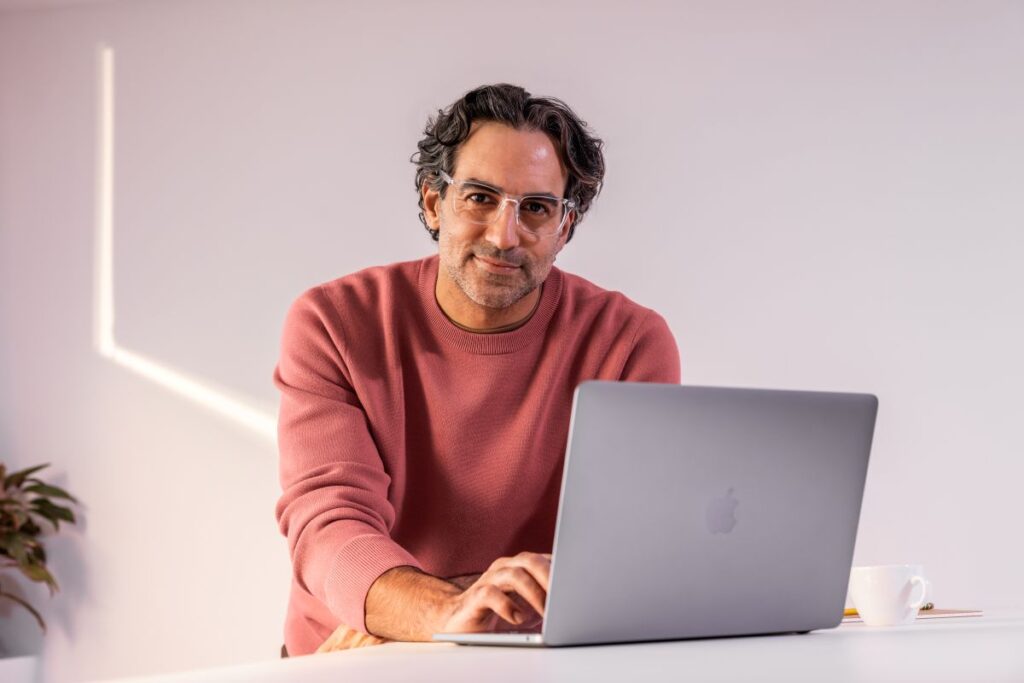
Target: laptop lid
pixel 705 511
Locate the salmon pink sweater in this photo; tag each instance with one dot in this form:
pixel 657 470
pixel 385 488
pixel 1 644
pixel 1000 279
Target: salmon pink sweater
pixel 406 440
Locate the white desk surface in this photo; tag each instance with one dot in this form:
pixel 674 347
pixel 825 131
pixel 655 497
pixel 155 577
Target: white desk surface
pixel 985 648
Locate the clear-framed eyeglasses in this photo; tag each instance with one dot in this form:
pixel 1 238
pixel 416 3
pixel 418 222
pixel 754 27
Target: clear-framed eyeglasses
pixel 541 215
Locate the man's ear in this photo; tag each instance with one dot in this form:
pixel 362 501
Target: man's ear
pixel 431 206
pixel 564 237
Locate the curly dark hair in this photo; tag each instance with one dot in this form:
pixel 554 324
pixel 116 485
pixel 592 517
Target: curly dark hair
pixel 578 148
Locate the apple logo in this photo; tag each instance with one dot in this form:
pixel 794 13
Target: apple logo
pixel 721 513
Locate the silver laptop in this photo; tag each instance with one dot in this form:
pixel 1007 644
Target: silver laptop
pixel 692 512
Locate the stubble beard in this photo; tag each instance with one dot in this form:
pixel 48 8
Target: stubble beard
pixel 490 290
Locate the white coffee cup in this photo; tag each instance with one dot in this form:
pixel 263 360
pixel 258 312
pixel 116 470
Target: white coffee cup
pixel 888 595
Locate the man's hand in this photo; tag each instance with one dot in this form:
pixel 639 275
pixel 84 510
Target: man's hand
pixel 512 591
pixel 510 594
pixel 345 638
pixel 406 604
pixel 464 581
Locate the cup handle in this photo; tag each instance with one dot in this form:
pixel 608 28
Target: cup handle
pixel 920 581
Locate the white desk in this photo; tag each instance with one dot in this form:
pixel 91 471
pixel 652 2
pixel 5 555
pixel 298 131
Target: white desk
pixel 986 648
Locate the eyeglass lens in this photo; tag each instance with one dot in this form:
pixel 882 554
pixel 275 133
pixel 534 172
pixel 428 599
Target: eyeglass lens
pixel 480 205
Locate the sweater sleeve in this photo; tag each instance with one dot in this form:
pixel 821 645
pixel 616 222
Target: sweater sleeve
pixel 655 356
pixel 334 508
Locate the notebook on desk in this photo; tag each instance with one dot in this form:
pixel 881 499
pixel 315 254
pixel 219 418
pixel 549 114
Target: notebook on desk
pixel 691 512
pixel 925 614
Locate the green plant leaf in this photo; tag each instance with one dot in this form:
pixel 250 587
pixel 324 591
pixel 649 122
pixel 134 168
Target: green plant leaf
pixel 44 489
pixel 46 514
pixel 39 554
pixel 49 510
pixel 30 608
pixel 18 518
pixel 16 479
pixel 40 574
pixel 14 544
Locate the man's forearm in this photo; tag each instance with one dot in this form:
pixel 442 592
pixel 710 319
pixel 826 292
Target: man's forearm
pixel 406 604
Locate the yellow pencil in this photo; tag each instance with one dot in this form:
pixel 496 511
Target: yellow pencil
pixel 852 611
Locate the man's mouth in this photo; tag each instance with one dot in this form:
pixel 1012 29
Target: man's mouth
pixel 496 265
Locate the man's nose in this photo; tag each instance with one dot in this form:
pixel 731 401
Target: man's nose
pixel 503 233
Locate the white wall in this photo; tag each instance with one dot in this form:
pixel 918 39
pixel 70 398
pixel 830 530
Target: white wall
pixel 815 195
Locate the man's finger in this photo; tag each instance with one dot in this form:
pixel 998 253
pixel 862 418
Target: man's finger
pixel 522 582
pixel 537 564
pixel 489 598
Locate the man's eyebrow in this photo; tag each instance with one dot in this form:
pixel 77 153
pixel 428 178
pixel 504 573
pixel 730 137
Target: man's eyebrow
pixel 476 182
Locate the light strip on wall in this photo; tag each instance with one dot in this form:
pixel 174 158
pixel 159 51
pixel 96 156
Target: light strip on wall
pixel 103 302
pixel 103 308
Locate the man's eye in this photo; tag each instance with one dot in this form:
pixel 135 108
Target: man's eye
pixel 478 198
pixel 536 207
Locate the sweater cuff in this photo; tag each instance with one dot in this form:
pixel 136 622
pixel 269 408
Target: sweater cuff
pixel 353 570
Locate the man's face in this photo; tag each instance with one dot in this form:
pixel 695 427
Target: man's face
pixel 495 266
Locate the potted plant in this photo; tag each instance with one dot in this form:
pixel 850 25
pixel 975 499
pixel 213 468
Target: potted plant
pixel 26 507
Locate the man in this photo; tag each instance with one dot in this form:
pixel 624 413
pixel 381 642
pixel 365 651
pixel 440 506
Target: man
pixel 425 405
